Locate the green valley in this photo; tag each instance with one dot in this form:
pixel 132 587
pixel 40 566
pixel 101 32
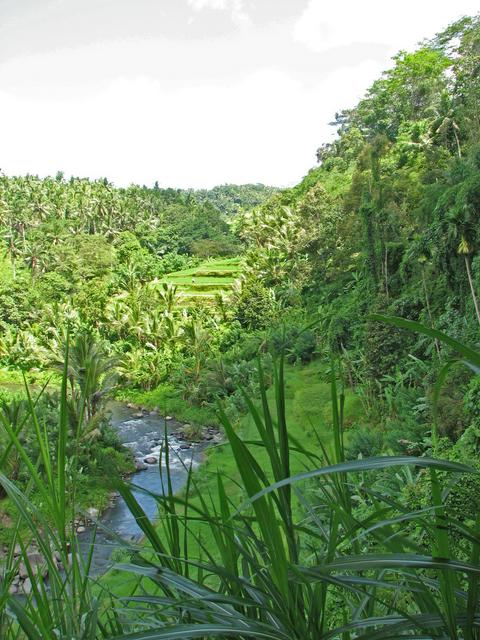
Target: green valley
pixel 250 411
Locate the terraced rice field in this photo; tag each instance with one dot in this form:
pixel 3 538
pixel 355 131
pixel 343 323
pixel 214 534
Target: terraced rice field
pixel 203 282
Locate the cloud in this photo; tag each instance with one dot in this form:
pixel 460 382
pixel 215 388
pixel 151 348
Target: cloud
pixel 236 9
pixel 153 98
pixel 401 25
pixel 264 128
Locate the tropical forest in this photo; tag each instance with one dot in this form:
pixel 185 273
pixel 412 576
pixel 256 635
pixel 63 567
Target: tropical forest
pixel 253 411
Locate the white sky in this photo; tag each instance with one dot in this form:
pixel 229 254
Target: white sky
pixel 191 93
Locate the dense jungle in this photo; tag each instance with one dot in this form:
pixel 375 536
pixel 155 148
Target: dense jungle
pixel 316 348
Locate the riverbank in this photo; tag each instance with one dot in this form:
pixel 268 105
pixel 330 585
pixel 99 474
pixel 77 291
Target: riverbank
pixel 100 460
pixel 93 489
pixel 169 402
pixel 308 414
pixel 308 410
pixel 142 432
pixel 165 398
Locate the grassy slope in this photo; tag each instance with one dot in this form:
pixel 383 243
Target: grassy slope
pixel 308 409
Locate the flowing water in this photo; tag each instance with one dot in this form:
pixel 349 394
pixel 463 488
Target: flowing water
pixel 144 436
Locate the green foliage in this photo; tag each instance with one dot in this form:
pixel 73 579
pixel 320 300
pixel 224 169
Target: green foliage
pixel 281 532
pixel 364 442
pixel 54 287
pixel 294 339
pixel 383 347
pixel 85 256
pixel 17 301
pixel 452 417
pixel 168 397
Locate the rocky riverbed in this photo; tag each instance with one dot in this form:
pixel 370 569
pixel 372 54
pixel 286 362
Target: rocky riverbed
pixel 143 431
pixel 181 436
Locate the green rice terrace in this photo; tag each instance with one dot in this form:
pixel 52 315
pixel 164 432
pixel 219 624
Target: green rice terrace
pixel 204 282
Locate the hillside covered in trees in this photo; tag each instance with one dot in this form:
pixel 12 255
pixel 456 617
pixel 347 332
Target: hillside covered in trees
pixel 389 223
pixel 329 331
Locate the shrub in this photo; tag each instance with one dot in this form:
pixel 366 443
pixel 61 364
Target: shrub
pixel 111 462
pixel 408 438
pixel 384 348
pixel 363 442
pixel 255 307
pixel 298 343
pixel 454 412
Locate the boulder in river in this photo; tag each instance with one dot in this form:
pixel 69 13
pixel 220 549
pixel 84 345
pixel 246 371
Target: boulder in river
pixel 137 415
pixel 37 565
pixel 27 587
pixel 150 460
pixel 70 559
pixel 22 570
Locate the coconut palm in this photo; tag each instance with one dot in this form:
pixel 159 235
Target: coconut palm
pixel 197 340
pixel 167 296
pixel 92 376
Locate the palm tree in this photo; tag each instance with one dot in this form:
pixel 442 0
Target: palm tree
pixel 168 297
pixel 421 251
pixel 198 342
pixel 443 122
pixel 448 123
pixel 465 249
pixel 92 375
pixel 461 229
pixel 34 257
pixel 13 249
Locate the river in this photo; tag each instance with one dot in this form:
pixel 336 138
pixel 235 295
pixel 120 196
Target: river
pixel 144 436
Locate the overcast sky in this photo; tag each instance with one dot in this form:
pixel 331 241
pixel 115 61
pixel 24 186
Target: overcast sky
pixel 191 93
